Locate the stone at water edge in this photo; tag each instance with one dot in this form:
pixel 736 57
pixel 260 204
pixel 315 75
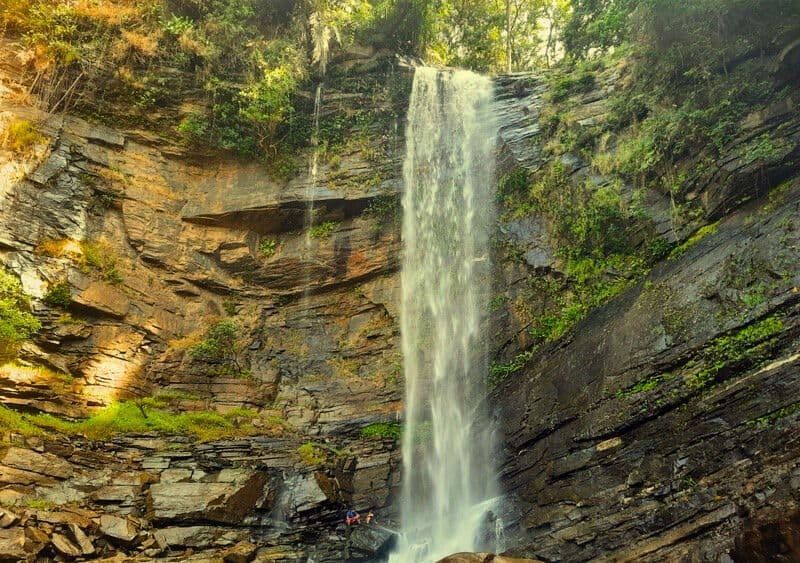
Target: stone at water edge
pixel 484 558
pixel 368 540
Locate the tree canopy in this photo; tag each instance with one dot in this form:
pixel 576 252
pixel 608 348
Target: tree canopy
pixel 242 63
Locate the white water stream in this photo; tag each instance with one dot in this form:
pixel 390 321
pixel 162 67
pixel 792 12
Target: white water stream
pixel 311 189
pixel 448 474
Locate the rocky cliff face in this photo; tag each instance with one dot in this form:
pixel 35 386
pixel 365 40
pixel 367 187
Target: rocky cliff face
pixel 662 426
pixel 150 244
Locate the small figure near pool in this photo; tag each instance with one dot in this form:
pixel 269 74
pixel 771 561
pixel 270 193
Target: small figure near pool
pixel 352 517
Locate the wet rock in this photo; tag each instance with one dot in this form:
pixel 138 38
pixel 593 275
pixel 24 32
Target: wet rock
pixel 370 542
pixel 484 558
pixel 587 416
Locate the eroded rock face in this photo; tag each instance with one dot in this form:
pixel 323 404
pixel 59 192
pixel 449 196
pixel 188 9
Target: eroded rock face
pixel 153 245
pixel 659 428
pixel 665 419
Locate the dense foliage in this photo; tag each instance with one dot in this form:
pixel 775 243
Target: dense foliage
pixel 223 73
pixel 17 324
pixel 685 73
pixel 232 73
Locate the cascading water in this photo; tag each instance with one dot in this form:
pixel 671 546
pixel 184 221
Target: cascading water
pixel 448 475
pixel 311 188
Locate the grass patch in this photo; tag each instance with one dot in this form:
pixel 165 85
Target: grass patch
pixel 17 423
pixel 701 233
pixel 323 230
pixel 499 372
pixel 38 504
pixel 391 430
pixel 642 386
pixel 21 135
pixel 267 247
pixel 775 415
pixel 158 414
pixel 58 294
pixel 498 302
pixel 748 348
pixel 100 258
pixel 311 453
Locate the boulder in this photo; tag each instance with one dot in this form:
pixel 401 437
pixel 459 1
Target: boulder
pixel 33 463
pixel 37 536
pixel 64 546
pixel 81 539
pixel 81 518
pixel 12 543
pixel 484 558
pixel 201 536
pixel 103 298
pixel 118 528
pixel 302 493
pixel 7 518
pixel 229 500
pixel 242 552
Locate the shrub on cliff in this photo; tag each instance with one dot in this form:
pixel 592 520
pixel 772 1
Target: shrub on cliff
pixel 58 294
pixel 219 350
pixel 21 135
pixel 17 324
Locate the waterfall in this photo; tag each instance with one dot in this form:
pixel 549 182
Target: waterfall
pixel 311 187
pixel 448 474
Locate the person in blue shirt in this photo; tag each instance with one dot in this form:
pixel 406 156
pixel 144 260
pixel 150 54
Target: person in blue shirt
pixel 352 517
